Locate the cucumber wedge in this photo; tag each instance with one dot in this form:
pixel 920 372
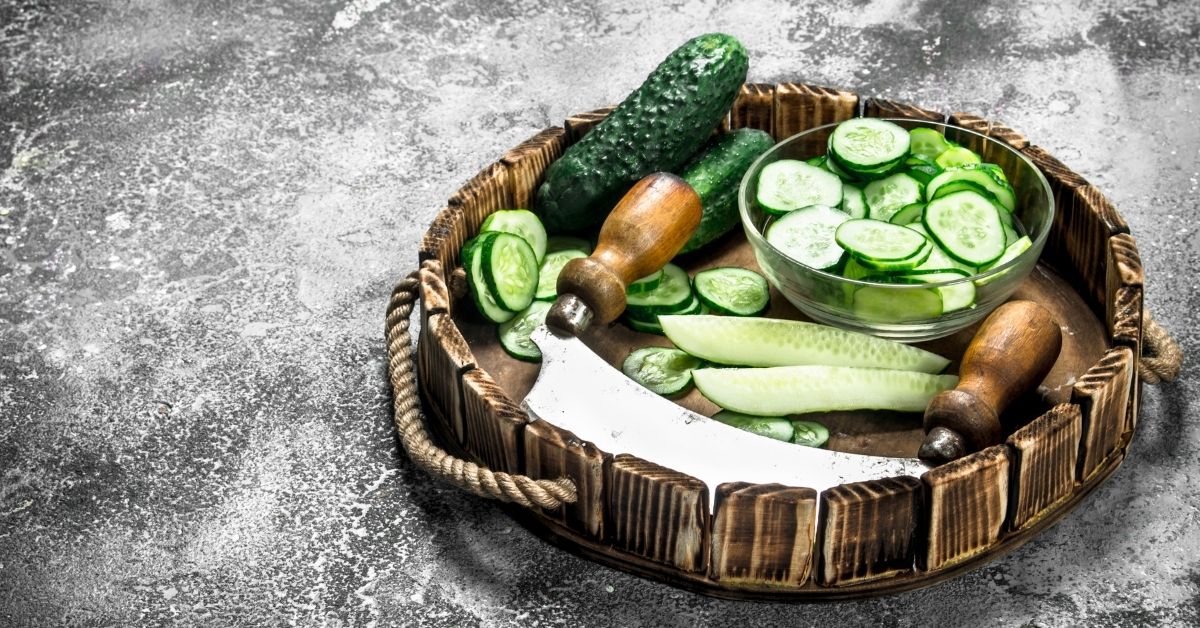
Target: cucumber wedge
pixel 778 342
pixel 799 389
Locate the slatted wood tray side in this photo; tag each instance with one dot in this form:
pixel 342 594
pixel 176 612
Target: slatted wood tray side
pixel 769 541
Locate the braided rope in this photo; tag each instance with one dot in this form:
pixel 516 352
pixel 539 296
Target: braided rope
pixel 417 441
pixel 1161 356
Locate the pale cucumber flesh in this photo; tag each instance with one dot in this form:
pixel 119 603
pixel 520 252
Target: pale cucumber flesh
pixel 754 341
pixel 799 389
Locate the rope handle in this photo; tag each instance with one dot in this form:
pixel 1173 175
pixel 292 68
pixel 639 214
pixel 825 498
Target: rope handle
pixel 417 441
pixel 1161 356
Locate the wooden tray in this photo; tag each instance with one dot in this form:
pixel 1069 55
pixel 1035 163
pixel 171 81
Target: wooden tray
pixel 772 541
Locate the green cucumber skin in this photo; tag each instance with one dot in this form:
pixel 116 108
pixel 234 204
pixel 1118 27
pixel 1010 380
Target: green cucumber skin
pixel 716 174
pixel 657 128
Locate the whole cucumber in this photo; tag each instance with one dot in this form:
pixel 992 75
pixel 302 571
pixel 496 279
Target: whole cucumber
pixel 716 174
pixel 656 128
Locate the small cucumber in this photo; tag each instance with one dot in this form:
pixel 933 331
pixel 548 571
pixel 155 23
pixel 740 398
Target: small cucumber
pixel 658 127
pixel 715 174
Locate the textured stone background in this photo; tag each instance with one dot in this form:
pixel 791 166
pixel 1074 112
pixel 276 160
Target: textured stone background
pixel 204 204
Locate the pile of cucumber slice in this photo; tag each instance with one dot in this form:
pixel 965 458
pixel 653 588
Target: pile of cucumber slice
pixel 908 207
pixel 512 269
pixel 725 290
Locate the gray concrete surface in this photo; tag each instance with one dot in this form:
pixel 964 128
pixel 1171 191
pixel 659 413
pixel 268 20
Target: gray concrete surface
pixel 204 204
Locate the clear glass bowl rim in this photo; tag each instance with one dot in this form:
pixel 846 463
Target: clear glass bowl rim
pixel 1036 249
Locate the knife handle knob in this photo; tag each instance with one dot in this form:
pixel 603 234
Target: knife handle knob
pixel 644 231
pixel 1011 353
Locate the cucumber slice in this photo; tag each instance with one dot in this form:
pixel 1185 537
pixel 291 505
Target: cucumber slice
pixel 1009 223
pixel 889 305
pixel 776 427
pixel 521 223
pixel 568 243
pixel 514 333
pixel 645 327
pixel 818 161
pixel 807 236
pixel 867 144
pixel 967 226
pixel 662 370
pixel 789 184
pixel 938 260
pixel 799 389
pixel 809 433
pixel 672 294
pixel 955 296
pixel 779 342
pixel 732 290
pixel 900 266
pixel 646 284
pixel 853 202
pixel 854 270
pixel 923 173
pixel 960 185
pixel 1013 250
pixel 547 287
pixel 956 157
pixel 878 241
pixel 484 300
pixel 831 166
pixel 908 214
pixel 982 175
pixel 887 196
pixel 510 269
pixel 927 142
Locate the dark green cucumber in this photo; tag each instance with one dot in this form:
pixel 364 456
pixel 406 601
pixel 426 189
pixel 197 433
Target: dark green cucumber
pixel 657 128
pixel 715 174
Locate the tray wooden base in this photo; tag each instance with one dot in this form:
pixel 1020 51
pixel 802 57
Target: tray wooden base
pixel 778 542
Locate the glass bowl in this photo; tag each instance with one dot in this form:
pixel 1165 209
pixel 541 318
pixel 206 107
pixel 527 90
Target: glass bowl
pixel 831 299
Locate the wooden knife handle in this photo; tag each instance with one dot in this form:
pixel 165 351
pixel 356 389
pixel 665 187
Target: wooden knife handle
pixel 644 231
pixel 1011 353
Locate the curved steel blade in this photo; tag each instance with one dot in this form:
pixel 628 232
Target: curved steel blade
pixel 578 391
